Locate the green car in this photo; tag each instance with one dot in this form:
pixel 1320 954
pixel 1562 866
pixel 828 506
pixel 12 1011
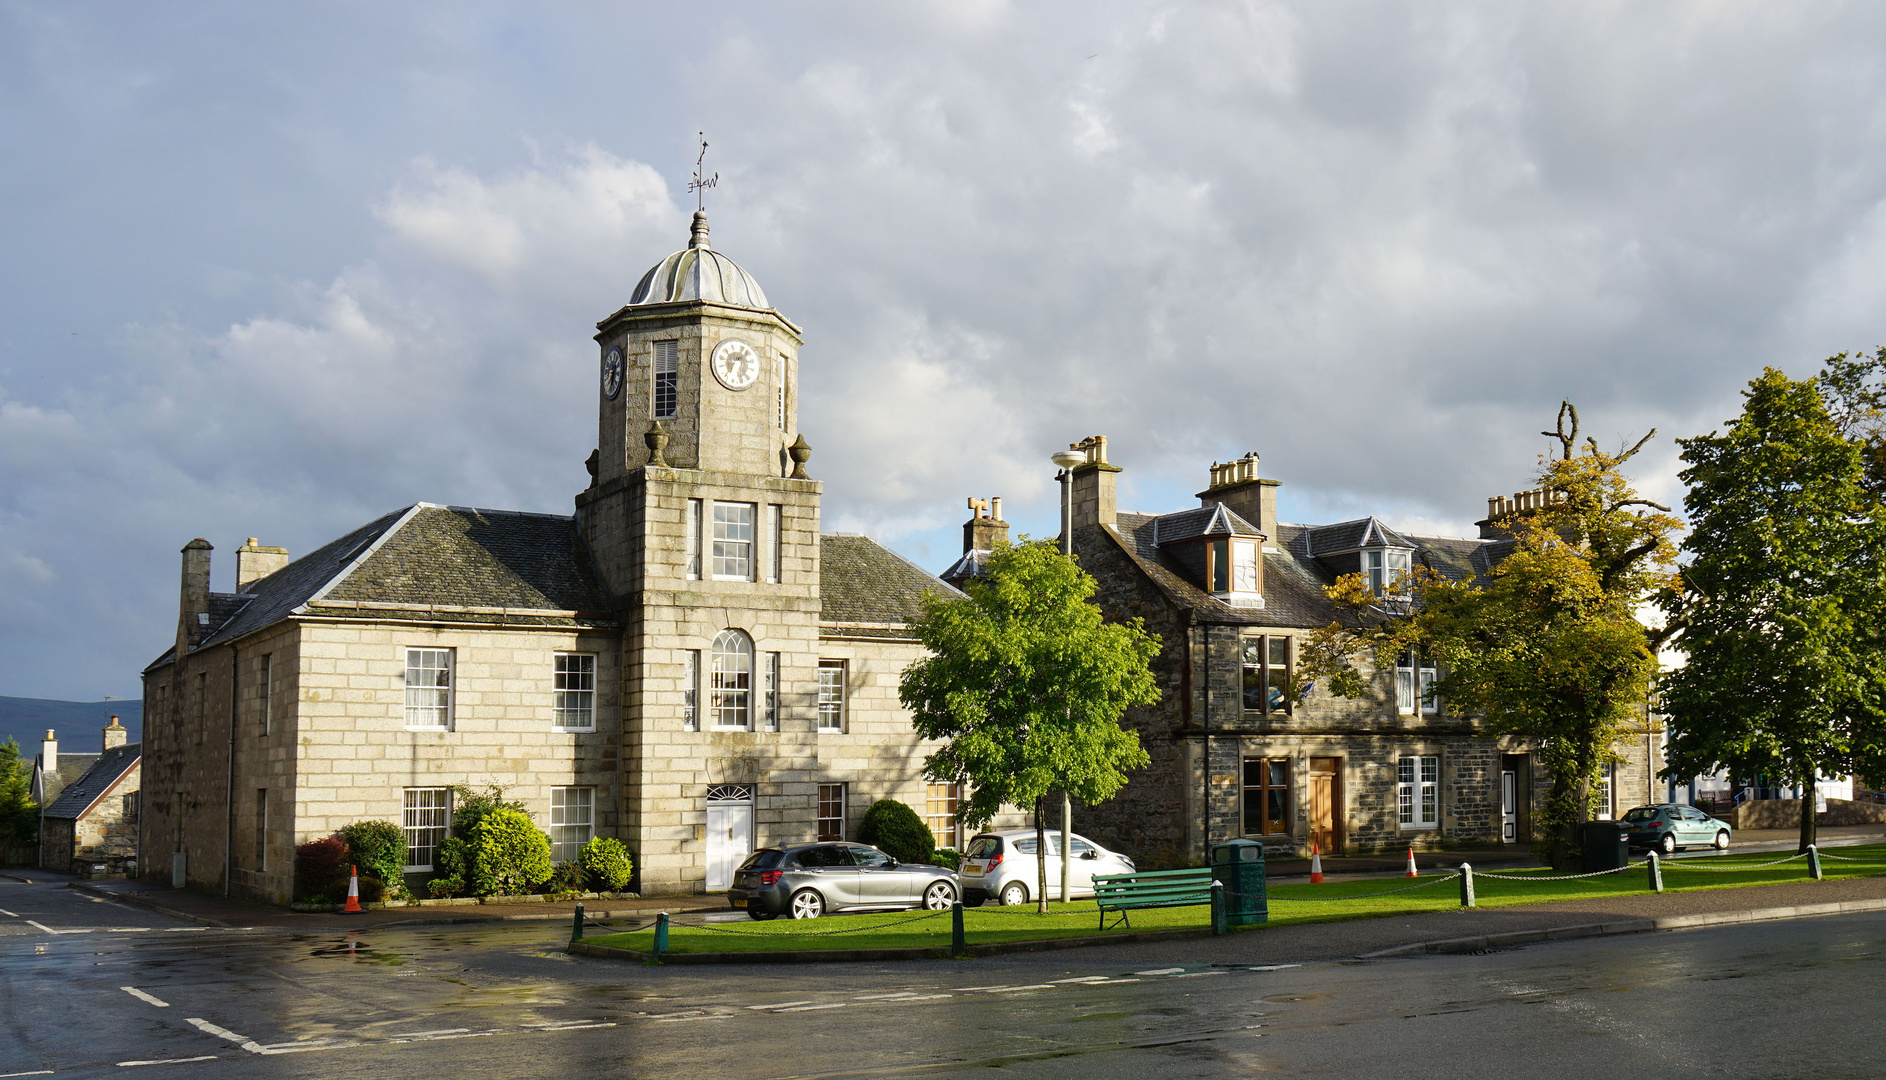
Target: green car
pixel 1674 825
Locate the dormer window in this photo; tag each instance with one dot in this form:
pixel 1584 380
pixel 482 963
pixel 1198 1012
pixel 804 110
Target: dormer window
pixel 1232 569
pixel 1386 569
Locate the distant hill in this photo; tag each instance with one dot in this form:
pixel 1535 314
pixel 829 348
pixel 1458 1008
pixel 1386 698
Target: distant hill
pixel 79 723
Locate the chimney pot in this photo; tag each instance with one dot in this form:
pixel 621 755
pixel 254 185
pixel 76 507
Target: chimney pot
pixel 49 753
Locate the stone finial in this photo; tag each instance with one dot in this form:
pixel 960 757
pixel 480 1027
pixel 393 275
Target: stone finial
pixel 800 452
pixel 697 237
pixel 656 437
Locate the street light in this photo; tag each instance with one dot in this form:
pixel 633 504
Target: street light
pixel 1067 459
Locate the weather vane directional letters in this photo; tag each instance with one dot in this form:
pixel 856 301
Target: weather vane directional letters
pixel 698 185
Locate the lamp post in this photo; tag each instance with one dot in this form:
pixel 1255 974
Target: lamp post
pixel 1067 459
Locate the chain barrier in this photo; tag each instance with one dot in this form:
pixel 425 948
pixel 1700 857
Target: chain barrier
pixel 1365 896
pixel 1696 864
pixel 1846 858
pixel 819 933
pixel 1558 877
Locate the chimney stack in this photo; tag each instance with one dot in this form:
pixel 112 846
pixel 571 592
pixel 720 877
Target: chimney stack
pixel 49 754
pixel 985 530
pixel 254 562
pixel 115 734
pixel 1236 486
pixel 193 610
pixel 1095 501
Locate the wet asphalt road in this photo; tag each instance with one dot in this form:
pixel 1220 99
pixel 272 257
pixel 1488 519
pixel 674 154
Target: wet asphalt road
pixel 139 992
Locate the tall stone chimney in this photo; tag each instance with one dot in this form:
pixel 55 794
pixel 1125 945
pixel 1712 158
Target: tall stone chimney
pixel 254 561
pixel 115 734
pixel 193 610
pixel 985 530
pixel 1095 502
pixel 49 754
pixel 1236 486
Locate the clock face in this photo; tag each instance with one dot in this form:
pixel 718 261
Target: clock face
pixel 736 364
pixel 612 374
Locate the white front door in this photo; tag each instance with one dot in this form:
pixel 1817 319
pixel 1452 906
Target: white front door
pixel 729 840
pixel 1509 807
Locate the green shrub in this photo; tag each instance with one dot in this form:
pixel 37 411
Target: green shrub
pixel 454 859
pixel 470 807
pixel 512 855
pixel 372 890
pixel 321 868
pixel 608 862
pixel 897 830
pixel 566 877
pixel 442 887
pixel 948 858
pixel 377 848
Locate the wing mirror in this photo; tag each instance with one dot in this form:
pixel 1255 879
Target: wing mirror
pixel 1091 855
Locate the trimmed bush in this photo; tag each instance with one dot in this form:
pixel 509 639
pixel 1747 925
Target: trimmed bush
pixel 896 830
pixel 511 855
pixel 454 858
pixel 442 887
pixel 321 868
pixel 948 858
pixel 372 890
pixel 608 862
pixel 377 847
pixel 566 877
pixel 470 807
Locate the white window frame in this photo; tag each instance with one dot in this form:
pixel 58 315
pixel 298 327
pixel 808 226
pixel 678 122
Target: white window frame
pixel 820 817
pixel 573 707
pixel 1607 788
pixel 667 362
pixel 693 567
pixel 939 814
pixel 735 541
pixel 572 821
pixel 775 543
pixel 448 671
pixel 266 689
pixel 769 686
pixel 691 690
pixel 1418 791
pixel 1412 682
pixel 730 689
pixel 833 676
pixel 427 817
pixel 1383 567
pixel 1244 566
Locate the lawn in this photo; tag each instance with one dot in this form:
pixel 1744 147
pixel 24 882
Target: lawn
pixel 1289 904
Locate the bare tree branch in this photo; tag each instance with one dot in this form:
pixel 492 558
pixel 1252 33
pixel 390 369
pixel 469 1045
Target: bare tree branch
pixel 1567 439
pixel 1628 454
pixel 1641 502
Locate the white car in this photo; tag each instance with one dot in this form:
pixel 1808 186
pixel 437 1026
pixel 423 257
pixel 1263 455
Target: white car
pixel 1003 866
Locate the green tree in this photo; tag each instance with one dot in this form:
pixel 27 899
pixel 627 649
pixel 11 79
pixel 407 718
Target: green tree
pixel 1779 605
pixel 19 815
pixel 512 854
pixel 1027 684
pixel 896 829
pixel 1549 647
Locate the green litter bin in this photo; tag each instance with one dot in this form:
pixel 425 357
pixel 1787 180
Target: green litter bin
pixel 1239 866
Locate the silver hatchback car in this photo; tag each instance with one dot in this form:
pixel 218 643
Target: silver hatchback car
pixel 809 880
pixel 1002 866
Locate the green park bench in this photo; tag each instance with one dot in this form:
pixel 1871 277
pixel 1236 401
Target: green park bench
pixel 1150 889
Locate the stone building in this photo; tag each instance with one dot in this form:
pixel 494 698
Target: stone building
pixel 89 827
pixel 686 663
pixel 1231 592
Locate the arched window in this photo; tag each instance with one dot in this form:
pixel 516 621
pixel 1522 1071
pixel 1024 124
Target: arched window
pixel 731 682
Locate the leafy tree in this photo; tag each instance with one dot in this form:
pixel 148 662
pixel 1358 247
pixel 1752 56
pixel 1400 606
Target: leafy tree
pixel 1548 647
pixel 511 854
pixel 19 815
pixel 1027 684
pixel 1780 603
pixel 896 828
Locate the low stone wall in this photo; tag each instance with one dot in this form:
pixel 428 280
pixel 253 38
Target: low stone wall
pixel 1786 814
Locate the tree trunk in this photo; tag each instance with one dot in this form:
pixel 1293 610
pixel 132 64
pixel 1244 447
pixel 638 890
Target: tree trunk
pixel 1809 789
pixel 1041 861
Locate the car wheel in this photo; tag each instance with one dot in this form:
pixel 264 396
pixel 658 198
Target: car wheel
pixel 761 916
pixel 1722 840
pixel 1014 894
pixel 939 896
pixel 1667 845
pixel 807 904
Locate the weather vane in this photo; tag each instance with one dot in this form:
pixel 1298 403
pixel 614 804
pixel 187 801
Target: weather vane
pixel 698 185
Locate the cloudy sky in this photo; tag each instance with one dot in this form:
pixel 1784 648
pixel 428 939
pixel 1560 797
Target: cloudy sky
pixel 272 270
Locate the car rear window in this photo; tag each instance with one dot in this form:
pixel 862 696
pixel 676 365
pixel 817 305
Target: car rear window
pixel 983 846
pixel 1642 813
pixel 765 859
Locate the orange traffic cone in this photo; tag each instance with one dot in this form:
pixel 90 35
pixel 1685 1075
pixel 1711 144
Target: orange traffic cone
pixel 1316 865
pixel 353 890
pixel 1411 865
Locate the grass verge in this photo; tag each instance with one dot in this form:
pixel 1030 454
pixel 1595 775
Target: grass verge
pixel 1289 904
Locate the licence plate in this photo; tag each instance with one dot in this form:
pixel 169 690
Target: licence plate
pixel 739 903
pixel 973 868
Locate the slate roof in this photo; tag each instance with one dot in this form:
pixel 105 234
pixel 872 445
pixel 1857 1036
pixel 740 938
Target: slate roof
pixel 861 581
pixel 426 555
pixel 1323 540
pixel 105 770
pixel 70 768
pixel 969 565
pixel 1199 523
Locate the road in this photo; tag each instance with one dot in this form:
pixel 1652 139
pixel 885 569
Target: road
pixel 140 992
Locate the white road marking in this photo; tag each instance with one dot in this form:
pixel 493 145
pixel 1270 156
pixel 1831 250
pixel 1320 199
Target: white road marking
pixel 50 930
pixel 142 996
pixel 969 989
pixel 1273 967
pixel 578 1027
pixel 1114 982
pixel 300 1048
pixel 1160 971
pixel 781 1004
pixel 884 997
pixel 1084 979
pixel 222 1032
pixel 35 1072
pixel 462 1035
pixel 424 1034
pixel 161 1061
pixel 809 1008
pixel 684 1019
pixel 187 929
pixel 1012 989
pixel 9 914
pixel 1196 974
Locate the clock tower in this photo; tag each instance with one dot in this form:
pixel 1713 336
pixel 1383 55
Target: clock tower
pixel 705 532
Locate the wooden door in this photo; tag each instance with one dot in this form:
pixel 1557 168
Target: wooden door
pixel 1326 804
